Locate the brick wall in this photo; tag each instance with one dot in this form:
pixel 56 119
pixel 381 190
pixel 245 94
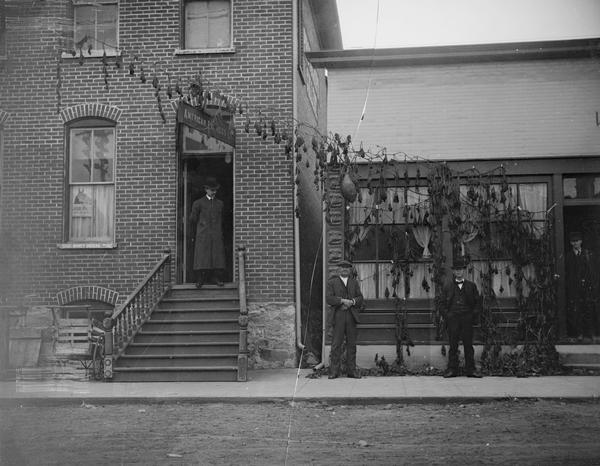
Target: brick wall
pixel 259 72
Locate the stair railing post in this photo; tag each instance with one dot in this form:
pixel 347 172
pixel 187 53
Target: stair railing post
pixel 107 323
pixel 243 319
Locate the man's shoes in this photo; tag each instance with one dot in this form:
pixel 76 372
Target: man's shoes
pixel 474 374
pixel 450 373
pixel 354 375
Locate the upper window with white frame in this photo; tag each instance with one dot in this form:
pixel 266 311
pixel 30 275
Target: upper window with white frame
pixel 91 182
pixel 97 23
pixel 207 24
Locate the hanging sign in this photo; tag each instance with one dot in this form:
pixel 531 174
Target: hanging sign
pixel 213 127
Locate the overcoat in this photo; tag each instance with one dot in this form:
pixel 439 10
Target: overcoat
pixel 209 250
pixel 336 290
pixel 472 298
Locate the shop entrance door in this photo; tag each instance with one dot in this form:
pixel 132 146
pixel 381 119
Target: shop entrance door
pixel 195 170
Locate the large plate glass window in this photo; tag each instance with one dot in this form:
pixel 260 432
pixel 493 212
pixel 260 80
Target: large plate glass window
pixel 207 24
pixel 96 22
pixel 528 201
pixel 388 227
pixel 91 192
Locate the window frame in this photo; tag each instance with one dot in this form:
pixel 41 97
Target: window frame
pixel 93 123
pixel 185 50
pixel 3 35
pixel 95 52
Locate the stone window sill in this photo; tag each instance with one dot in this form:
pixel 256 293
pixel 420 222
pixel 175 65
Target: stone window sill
pixel 204 51
pixel 94 54
pixel 87 245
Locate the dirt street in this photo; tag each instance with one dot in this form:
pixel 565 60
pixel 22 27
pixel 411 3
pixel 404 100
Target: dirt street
pixel 501 432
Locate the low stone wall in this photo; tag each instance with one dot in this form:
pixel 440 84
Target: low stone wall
pixel 271 335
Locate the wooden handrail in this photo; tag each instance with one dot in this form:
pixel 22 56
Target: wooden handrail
pixel 243 319
pixel 128 319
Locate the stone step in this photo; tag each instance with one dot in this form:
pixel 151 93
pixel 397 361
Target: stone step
pixel 198 304
pixel 195 314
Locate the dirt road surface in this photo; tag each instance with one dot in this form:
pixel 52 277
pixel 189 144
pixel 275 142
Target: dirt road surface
pixel 507 432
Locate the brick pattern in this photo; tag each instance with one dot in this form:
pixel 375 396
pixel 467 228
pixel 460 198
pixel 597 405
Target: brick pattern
pixel 259 73
pixel 95 110
pixel 80 293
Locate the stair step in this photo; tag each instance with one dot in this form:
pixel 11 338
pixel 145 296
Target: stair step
pixel 176 374
pixel 168 348
pixel 178 360
pixel 190 336
pixel 194 314
pixel 199 304
pixel 191 325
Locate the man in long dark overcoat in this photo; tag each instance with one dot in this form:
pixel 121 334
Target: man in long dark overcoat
pixel 209 250
pixel 346 301
pixel 461 305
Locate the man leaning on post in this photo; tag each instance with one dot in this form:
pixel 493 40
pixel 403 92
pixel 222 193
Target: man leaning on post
pixel 346 300
pixel 461 306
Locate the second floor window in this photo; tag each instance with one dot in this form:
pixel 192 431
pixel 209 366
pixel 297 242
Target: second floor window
pixel 97 23
pixel 207 24
pixel 91 190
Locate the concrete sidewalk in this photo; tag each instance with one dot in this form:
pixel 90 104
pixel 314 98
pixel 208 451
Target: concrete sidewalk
pixel 291 384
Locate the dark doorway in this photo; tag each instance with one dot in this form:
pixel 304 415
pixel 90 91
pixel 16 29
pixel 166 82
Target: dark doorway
pixel 586 220
pixel 194 172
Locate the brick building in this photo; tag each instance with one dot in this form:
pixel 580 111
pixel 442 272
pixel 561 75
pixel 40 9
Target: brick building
pixel 96 186
pixel 528 108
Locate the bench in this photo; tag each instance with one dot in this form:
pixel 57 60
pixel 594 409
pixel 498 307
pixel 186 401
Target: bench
pixel 80 340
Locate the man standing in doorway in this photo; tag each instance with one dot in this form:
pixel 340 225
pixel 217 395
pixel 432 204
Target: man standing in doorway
pixel 461 306
pixel 345 298
pixel 209 250
pixel 580 285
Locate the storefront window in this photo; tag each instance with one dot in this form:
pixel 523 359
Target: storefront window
pixel 581 187
pixel 386 226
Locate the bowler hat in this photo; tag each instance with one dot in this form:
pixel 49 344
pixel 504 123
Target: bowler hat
pixel 460 263
pixel 575 236
pixel 345 264
pixel 211 183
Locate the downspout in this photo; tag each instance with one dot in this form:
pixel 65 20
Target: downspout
pixel 324 292
pixel 297 287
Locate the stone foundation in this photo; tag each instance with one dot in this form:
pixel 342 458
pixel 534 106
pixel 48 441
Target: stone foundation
pixel 271 335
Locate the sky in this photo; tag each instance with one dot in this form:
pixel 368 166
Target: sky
pixel 416 23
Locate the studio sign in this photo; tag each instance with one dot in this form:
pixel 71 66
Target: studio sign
pixel 214 127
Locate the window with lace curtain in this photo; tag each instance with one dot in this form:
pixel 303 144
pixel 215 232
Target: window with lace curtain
pixel 529 201
pixel 384 225
pixel 97 23
pixel 91 182
pixel 207 24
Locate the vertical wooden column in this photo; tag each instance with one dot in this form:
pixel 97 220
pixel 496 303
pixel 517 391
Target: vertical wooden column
pixel 243 318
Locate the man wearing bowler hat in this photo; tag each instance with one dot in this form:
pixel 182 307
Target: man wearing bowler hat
pixel 346 300
pixel 209 249
pixel 461 306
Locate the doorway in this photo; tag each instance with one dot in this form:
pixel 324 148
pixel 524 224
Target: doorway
pixel 193 175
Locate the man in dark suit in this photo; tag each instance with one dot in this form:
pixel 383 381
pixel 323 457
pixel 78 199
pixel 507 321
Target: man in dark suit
pixel 461 306
pixel 346 300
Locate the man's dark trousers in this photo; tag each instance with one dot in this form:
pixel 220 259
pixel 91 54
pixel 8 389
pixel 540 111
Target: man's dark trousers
pixel 344 323
pixel 460 327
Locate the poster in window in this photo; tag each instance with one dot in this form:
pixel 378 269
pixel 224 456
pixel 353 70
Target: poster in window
pixel 82 204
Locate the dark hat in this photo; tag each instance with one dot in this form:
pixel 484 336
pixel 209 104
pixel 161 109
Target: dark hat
pixel 344 264
pixel 211 183
pixel 575 236
pixel 460 263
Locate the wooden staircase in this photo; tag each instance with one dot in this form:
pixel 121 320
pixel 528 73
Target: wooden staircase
pixel 192 335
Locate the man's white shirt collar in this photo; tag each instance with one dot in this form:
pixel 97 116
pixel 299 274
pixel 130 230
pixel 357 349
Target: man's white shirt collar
pixel 345 280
